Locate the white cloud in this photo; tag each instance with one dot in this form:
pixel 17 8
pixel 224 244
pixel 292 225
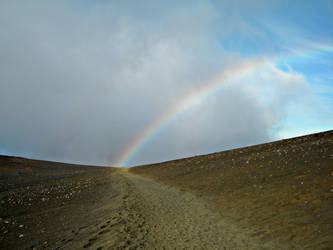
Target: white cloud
pixel 247 111
pixel 78 84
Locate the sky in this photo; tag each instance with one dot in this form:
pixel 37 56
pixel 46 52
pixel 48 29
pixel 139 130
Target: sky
pixel 124 83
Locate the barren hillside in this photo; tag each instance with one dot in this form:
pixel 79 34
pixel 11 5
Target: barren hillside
pixel 280 192
pixel 271 196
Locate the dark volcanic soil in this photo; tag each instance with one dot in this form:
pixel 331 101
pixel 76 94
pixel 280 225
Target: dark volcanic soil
pixel 280 192
pixel 271 196
pixel 43 203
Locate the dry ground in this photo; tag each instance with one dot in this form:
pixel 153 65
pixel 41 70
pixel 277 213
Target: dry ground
pixel 281 193
pixel 270 196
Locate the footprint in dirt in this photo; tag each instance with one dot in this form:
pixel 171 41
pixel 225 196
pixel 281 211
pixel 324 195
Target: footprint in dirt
pixel 90 243
pixel 104 231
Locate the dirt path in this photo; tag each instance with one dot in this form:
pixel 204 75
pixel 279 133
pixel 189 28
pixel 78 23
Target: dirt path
pixel 176 219
pixel 116 210
pixel 271 196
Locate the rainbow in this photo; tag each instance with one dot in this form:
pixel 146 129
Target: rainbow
pixel 183 103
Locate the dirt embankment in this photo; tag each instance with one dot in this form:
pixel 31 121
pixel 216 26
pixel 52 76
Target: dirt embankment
pixel 110 209
pixel 280 193
pixel 271 196
pixel 46 205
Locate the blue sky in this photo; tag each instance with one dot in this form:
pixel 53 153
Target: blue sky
pixel 301 34
pixel 80 81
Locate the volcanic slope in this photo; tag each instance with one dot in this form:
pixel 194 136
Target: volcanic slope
pixel 279 194
pixel 271 196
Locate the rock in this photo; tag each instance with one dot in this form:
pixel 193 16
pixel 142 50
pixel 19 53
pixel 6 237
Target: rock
pixel 21 236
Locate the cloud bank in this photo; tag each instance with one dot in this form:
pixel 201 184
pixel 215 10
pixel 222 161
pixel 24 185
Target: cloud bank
pixel 78 83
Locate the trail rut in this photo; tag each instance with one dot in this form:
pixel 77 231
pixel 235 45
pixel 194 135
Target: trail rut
pixel 178 219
